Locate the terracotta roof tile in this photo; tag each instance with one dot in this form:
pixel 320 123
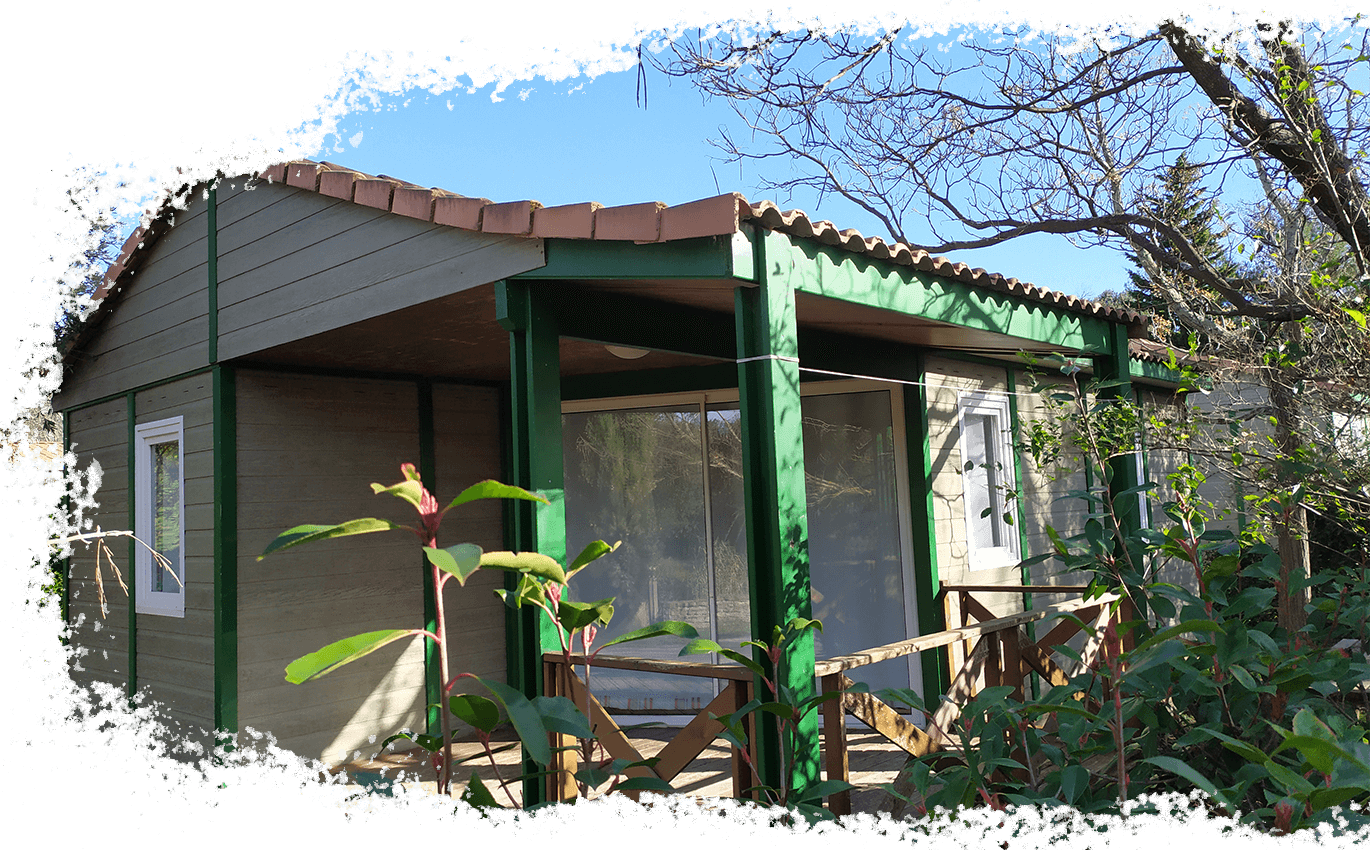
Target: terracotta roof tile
pixel 632 222
pixel 514 218
pixel 464 213
pixel 414 202
pixel 570 221
pixel 708 217
pixel 303 175
pixel 374 193
pixel 337 184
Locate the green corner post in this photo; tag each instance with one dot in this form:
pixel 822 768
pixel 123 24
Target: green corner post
pixel 776 515
pixel 131 412
pixel 1114 369
pixel 535 396
pixel 927 581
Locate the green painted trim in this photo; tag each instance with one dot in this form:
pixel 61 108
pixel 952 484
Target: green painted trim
pixel 681 379
pixel 212 214
pixel 1025 572
pixel 709 257
pixel 428 471
pixel 132 414
pixel 535 403
pixel 979 359
pixel 927 580
pixel 66 513
pixel 225 401
pixel 138 389
pixel 831 272
pixel 775 504
pixel 606 317
pixel 365 375
pixel 1154 372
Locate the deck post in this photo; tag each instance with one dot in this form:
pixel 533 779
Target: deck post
pixel 535 395
pixel 775 507
pixel 1114 368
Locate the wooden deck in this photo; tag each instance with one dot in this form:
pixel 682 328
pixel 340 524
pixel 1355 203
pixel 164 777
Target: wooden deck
pixel 873 761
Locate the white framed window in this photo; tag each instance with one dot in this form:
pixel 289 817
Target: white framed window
pixel 987 480
pixel 159 487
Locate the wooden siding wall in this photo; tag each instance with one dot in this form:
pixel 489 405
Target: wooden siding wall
pixel 175 665
pixel 99 434
pixel 294 263
pixel 162 325
pixel 308 449
pixel 176 654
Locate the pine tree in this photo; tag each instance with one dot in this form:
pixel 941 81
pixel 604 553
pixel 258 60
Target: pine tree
pixel 1183 203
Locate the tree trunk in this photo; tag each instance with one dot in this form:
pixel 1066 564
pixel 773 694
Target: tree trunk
pixel 1291 526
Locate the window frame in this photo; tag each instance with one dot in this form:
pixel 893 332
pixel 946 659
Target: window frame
pixel 996 406
pixel 148 601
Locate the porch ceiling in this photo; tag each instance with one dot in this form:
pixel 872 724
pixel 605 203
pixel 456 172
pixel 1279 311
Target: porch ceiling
pixel 457 337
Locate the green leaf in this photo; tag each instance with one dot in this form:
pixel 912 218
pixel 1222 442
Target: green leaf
pixel 1187 627
pixel 493 490
pixel 411 491
pixel 528 592
pixel 824 788
pixel 666 627
pixel 1356 316
pixel 475 710
pixel 574 616
pixel 593 552
pixel 646 783
pixel 1074 781
pixel 477 795
pixel 428 742
pixel 1198 780
pixel 1321 754
pixel 1241 675
pixel 560 715
pixel 460 560
pixel 335 655
pixel 703 645
pixel 533 563
pixel 525 718
pixel 309 533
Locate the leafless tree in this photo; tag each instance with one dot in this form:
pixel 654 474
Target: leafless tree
pixel 1000 137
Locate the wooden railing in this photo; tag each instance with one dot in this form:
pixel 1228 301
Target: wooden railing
pixel 996 651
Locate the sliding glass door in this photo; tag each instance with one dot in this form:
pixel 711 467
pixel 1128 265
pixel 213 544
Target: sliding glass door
pixel 667 481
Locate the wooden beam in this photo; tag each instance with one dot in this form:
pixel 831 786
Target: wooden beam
pixel 610 736
pixel 925 642
pixel 888 722
pixel 835 741
pixel 653 665
pixel 697 735
pixel 959 693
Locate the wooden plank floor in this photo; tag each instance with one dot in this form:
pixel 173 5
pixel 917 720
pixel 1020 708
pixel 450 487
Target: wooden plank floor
pixel 872 760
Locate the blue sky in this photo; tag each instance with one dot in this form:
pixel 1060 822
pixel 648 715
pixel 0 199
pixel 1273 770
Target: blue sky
pixel 589 140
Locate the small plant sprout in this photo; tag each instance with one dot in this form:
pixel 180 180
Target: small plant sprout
pixel 97 538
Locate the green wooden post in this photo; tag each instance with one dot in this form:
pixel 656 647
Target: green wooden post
pixel 224 387
pixel 1114 367
pixel 773 488
pixel 131 408
pixel 535 395
pixel 927 581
